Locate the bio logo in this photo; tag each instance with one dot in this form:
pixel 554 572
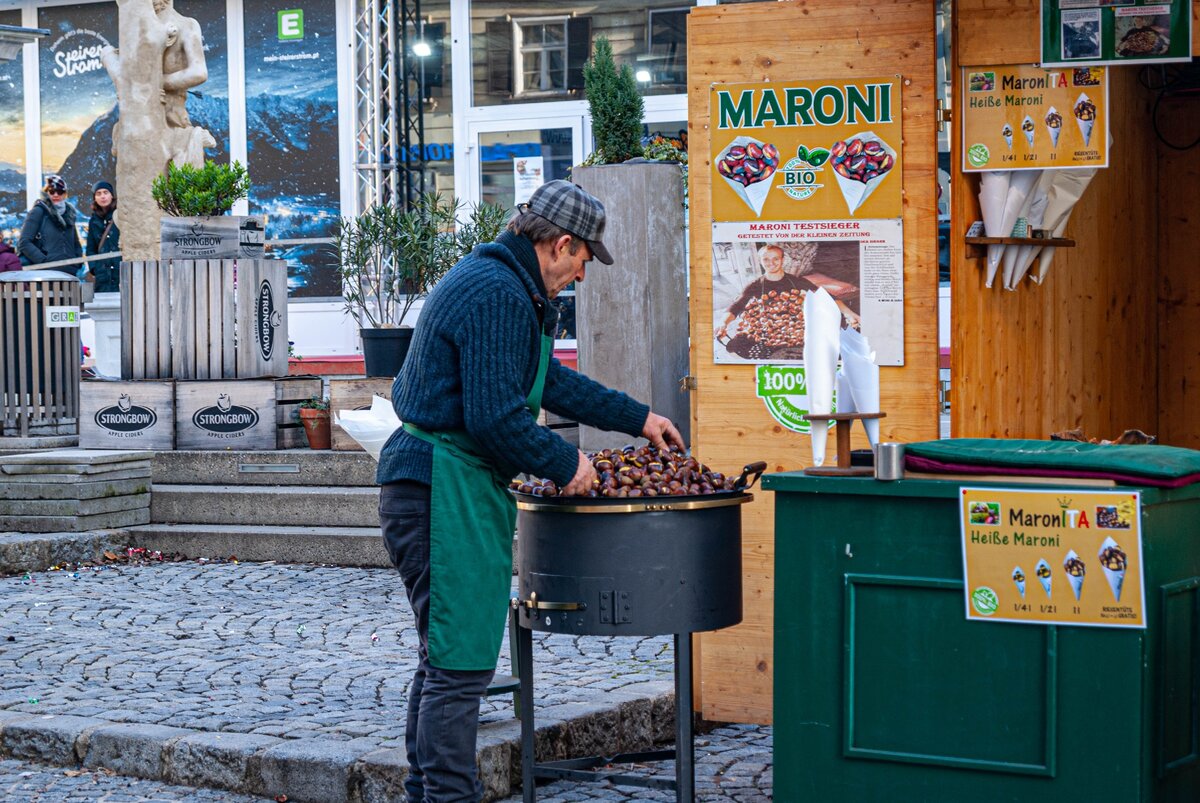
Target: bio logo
pixel 978 154
pixel 800 174
pixel 985 601
pixel 291 24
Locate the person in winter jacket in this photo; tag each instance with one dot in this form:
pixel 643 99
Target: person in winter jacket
pixel 103 236
pixel 8 258
pixel 49 231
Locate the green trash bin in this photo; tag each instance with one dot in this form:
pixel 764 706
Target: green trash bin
pixel 885 692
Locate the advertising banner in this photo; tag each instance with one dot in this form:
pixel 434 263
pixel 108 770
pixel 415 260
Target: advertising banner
pixel 761 272
pixel 1083 32
pixel 807 150
pixel 12 140
pixel 1021 117
pixel 1065 557
pixel 292 130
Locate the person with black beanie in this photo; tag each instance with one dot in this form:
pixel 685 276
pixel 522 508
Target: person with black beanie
pixel 48 233
pixel 103 236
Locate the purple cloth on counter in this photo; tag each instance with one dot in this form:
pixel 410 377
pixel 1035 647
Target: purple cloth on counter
pixel 927 465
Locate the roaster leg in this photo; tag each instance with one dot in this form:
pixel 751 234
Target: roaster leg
pixel 685 746
pixel 525 662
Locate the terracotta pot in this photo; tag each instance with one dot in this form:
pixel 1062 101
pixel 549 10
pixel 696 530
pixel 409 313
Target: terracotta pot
pixel 316 427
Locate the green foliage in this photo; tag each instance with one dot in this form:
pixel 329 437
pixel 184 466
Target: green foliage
pixel 390 258
pixel 616 107
pixel 187 191
pixel 315 403
pixel 661 149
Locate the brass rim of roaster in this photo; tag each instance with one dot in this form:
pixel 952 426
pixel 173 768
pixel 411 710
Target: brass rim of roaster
pixel 638 507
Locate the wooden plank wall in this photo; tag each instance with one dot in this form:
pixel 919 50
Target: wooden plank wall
pixel 1095 346
pixel 730 426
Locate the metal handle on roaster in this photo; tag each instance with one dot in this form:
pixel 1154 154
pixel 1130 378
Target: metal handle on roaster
pixel 534 604
pixel 755 469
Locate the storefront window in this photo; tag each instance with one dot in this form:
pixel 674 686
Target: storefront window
pixel 291 133
pixel 439 97
pixel 535 50
pixel 12 141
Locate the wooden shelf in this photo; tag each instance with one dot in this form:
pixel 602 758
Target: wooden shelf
pixel 1050 242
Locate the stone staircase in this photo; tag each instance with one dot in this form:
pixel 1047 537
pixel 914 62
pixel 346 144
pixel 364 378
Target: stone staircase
pixel 262 505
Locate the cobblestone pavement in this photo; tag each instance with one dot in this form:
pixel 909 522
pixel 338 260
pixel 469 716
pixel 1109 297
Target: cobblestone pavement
pixel 733 764
pixel 290 651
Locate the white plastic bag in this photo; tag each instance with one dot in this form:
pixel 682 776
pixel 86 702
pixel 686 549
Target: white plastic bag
pixel 370 428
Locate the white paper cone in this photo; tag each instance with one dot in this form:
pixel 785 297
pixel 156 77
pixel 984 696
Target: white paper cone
pixel 858 364
pixel 822 324
pixel 993 190
pixel 1085 126
pixel 1008 141
pixel 1020 584
pixel 755 195
pixel 856 192
pixel 1065 191
pixel 845 397
pixel 1076 581
pixel 1011 253
pixel 1116 579
pixel 1037 216
pixel 1019 187
pixel 1045 581
pixel 1054 132
pixel 1031 129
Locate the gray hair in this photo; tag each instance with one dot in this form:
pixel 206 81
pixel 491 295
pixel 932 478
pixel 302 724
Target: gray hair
pixel 539 229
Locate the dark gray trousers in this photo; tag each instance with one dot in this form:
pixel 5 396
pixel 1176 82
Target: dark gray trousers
pixel 443 704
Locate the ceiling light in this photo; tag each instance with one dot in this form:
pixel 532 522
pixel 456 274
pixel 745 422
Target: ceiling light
pixel 422 49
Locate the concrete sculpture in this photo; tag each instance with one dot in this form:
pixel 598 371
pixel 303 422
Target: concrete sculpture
pixel 161 58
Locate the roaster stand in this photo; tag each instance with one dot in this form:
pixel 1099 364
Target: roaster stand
pixel 584 769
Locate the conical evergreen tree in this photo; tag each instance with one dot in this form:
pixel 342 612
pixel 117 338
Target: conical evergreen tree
pixel 616 106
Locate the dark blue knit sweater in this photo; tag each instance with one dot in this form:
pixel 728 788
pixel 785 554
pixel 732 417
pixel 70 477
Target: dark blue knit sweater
pixel 472 364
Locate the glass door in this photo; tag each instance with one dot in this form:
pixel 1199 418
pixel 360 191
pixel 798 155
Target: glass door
pixel 509 159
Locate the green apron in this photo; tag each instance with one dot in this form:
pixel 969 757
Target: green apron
pixel 472 519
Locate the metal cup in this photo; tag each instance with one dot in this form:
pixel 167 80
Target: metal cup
pixel 889 461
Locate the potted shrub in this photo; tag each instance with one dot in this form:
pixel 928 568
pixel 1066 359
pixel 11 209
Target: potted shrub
pixel 197 201
pixel 314 415
pixel 389 259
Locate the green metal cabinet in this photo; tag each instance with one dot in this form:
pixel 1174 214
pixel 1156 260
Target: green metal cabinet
pixel 885 692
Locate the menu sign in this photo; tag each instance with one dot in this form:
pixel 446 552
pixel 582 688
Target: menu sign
pixel 1083 32
pixel 807 150
pixel 1022 118
pixel 1064 557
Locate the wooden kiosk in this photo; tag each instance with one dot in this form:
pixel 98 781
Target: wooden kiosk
pixel 1107 342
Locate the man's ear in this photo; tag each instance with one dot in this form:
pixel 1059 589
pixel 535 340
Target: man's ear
pixel 561 243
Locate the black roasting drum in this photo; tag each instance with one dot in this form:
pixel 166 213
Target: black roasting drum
pixel 629 567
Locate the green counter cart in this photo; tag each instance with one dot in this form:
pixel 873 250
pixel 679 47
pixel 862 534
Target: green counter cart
pixel 885 692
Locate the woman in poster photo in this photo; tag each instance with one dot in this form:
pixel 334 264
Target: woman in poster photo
pixel 48 234
pixel 769 310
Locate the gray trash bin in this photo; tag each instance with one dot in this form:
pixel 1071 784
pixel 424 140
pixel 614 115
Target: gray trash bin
pixel 39 353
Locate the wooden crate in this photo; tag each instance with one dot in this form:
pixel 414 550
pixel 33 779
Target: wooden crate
pixel 289 432
pixel 354 394
pixel 127 415
pixel 39 357
pixel 226 414
pixel 204 319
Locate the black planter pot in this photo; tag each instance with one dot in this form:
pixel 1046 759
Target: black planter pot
pixel 384 350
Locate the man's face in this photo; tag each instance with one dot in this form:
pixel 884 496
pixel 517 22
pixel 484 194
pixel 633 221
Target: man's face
pixel 772 261
pixel 563 267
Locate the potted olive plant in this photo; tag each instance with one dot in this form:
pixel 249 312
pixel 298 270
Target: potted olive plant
pixel 197 201
pixel 314 415
pixel 390 258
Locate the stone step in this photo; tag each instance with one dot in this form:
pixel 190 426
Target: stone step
pixel 343 546
pixel 286 467
pixel 278 505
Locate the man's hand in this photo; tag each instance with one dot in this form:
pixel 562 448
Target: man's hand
pixel 662 433
pixel 584 477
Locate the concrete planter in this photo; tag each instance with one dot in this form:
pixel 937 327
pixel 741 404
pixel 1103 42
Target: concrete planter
pixel 224 237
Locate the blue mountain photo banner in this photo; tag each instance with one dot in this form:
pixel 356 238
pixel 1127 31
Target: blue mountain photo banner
pixel 12 141
pixel 291 130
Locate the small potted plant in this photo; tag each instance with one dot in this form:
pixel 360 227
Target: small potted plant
pixel 197 201
pixel 390 258
pixel 314 415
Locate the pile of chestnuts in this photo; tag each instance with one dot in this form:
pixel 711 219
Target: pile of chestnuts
pixel 775 319
pixel 860 159
pixel 635 472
